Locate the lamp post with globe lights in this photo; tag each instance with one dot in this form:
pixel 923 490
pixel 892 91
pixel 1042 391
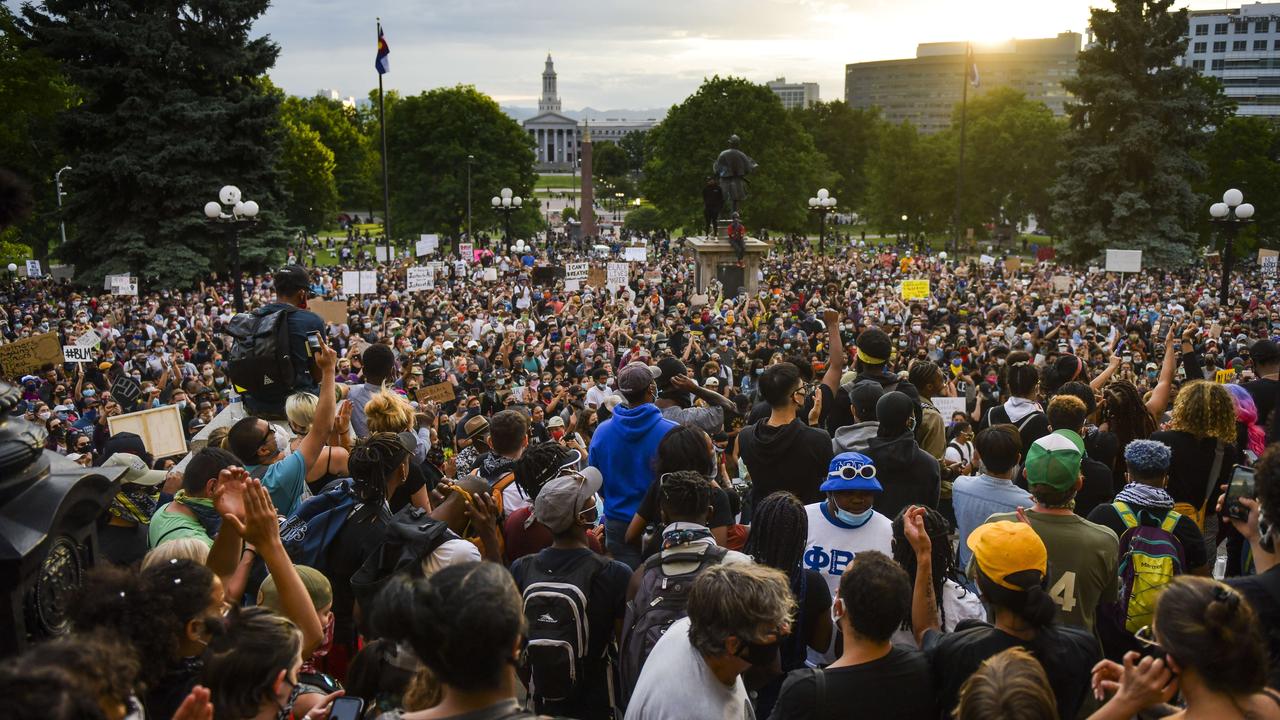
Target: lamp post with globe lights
pixel 506 203
pixel 823 204
pixel 1232 213
pixel 234 213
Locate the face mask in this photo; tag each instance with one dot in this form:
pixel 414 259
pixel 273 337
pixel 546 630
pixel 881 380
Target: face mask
pixel 759 654
pixel 852 519
pixel 759 371
pixel 44 416
pixel 286 710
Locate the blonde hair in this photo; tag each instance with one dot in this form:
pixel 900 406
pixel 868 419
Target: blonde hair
pixel 186 548
pixel 300 408
pixel 218 437
pixel 388 411
pixel 1205 409
pixel 1011 685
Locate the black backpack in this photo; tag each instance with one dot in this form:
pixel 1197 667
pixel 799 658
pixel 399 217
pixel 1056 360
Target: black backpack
pixel 260 354
pixel 555 608
pixel 659 602
pixel 411 536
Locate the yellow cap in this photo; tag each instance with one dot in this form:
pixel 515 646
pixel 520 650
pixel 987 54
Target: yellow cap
pixel 1002 549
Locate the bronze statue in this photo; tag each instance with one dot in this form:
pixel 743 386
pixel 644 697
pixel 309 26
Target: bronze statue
pixel 732 168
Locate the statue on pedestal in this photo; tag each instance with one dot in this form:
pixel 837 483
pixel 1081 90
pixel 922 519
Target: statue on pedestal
pixel 732 168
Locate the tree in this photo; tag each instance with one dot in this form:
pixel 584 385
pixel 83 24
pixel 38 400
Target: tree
pixel 643 219
pixel 1013 149
pixel 160 128
pixel 1244 153
pixel 635 144
pixel 846 136
pixel 684 147
pixel 913 175
pixel 1138 120
pixel 428 139
pixel 608 161
pixel 357 171
pixel 306 168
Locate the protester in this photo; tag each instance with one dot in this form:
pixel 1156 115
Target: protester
pixel 782 452
pixel 957 603
pixel 1010 684
pixel 909 475
pixel 978 497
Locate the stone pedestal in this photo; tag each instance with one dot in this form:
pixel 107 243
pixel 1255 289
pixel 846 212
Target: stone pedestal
pixel 718 261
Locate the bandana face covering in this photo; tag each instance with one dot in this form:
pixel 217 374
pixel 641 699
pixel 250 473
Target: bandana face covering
pixel 135 504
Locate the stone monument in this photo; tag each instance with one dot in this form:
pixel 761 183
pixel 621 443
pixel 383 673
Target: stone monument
pixel 717 258
pixel 587 212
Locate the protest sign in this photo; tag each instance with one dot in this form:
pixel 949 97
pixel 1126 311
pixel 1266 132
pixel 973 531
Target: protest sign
pixel 490 275
pixel 638 254
pixel 1224 377
pixel 160 429
pixel 948 406
pixel 77 354
pixel 427 244
pixel 596 277
pixel 331 311
pixel 362 282
pixel 63 272
pixel 30 354
pixel 1013 264
pixel 546 275
pixel 698 301
pixel 572 285
pixel 1268 260
pixel 33 269
pixel 465 252
pixel 1124 261
pixel 653 277
pixel 915 289
pixel 986 260
pixel 440 392
pixel 380 252
pixel 125 390
pixel 109 282
pixel 618 273
pixel 419 278
pixel 88 340
pixel 1061 283
pixel 576 271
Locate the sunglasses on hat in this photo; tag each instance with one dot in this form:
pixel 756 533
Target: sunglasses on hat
pixel 849 472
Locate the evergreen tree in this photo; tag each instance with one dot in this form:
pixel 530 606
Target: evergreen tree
pixel 847 137
pixel 175 105
pixel 1138 119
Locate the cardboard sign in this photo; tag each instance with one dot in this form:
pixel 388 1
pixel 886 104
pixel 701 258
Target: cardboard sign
pixel 33 269
pixel 1224 377
pixel 427 244
pixel 160 429
pixel 698 300
pixel 63 272
pixel 547 275
pixel 490 274
pixel 380 252
pixel 576 271
pixel 331 311
pixel 618 274
pixel 88 340
pixel 1124 261
pixel 1013 264
pixel 30 354
pixel 948 406
pixel 653 277
pixel 77 354
pixel 125 390
pixel 1062 283
pixel 915 289
pixel 1269 260
pixel 638 254
pixel 419 278
pixel 465 252
pixel 597 277
pixel 440 392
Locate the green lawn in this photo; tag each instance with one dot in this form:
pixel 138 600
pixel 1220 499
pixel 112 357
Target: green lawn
pixel 545 182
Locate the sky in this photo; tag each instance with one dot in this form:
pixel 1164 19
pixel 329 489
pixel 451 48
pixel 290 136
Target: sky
pixel 635 54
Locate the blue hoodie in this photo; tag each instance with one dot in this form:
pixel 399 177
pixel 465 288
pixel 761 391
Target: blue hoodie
pixel 623 449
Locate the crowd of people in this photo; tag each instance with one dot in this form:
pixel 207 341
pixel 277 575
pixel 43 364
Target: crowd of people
pixel 1036 492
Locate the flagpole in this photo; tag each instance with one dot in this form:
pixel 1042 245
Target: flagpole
pixel 386 189
pixel 964 102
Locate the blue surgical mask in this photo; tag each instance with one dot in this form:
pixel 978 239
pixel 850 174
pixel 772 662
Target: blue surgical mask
pixel 855 520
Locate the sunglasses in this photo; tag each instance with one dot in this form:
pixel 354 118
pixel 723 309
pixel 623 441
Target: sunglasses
pixel 849 472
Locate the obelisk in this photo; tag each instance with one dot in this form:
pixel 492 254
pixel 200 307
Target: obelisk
pixel 587 213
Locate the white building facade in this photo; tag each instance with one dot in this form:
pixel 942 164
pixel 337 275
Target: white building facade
pixel 794 95
pixel 1241 48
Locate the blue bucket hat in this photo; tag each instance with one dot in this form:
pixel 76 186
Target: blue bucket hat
pixel 851 471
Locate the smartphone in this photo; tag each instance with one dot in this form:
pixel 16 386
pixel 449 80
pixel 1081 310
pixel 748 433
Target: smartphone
pixel 346 708
pixel 1241 486
pixel 313 342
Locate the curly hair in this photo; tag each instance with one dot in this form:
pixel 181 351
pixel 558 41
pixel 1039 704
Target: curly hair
pixel 684 495
pixel 1126 415
pixel 1147 459
pixel 735 600
pixel 101 663
pixel 539 464
pixel 1205 409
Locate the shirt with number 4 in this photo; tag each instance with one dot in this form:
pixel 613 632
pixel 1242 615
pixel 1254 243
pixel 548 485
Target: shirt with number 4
pixel 1082 563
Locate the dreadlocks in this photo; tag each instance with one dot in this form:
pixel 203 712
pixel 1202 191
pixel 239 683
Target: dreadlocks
pixel 684 495
pixel 779 529
pixel 539 464
pixel 373 461
pixel 1126 416
pixel 944 562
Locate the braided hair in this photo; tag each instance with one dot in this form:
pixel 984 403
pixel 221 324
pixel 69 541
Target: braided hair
pixel 944 561
pixel 1126 416
pixel 684 495
pixel 374 460
pixel 539 464
pixel 779 530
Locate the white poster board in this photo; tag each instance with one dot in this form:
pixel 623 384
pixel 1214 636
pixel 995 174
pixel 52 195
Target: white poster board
pixel 110 281
pixel 427 244
pixel 638 254
pixel 419 278
pixel 490 274
pixel 88 340
pixel 160 429
pixel 33 269
pixel 572 285
pixel 986 260
pixel 380 252
pixel 1124 261
pixel 77 354
pixel 465 252
pixel 618 274
pixel 948 406
pixel 1268 261
pixel 576 271
pixel 359 282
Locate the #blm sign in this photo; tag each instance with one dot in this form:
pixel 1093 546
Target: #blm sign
pixel 29 354
pixel 915 289
pixel 77 354
pixel 440 392
pixel 419 278
pixel 1124 261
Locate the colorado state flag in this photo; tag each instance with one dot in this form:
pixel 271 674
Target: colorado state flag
pixel 383 62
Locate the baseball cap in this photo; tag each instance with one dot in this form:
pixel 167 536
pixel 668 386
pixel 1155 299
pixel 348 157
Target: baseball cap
pixel 1010 553
pixel 318 589
pixel 670 367
pixel 555 422
pixel 104 365
pixel 864 396
pixel 561 498
pixel 477 427
pixel 637 376
pixel 712 382
pixel 136 471
pixel 1054 460
pixel 851 471
pixel 292 278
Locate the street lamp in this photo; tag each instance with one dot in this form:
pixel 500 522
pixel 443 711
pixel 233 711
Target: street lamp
pixel 822 204
pixel 234 213
pixel 57 184
pixel 617 206
pixel 1231 214
pixel 506 203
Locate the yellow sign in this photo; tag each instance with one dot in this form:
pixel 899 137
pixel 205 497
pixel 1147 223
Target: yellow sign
pixel 915 289
pixel 1224 377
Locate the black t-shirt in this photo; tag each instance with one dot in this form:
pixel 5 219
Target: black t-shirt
pixel 1265 392
pixel 793 457
pixel 1068 655
pixel 1190 464
pixel 1097 487
pixel 721 515
pixel 898 685
pixel 420 475
pixel 1103 447
pixel 1263 593
pixel 1186 530
pixel 606 604
pixel 360 536
pixel 122 545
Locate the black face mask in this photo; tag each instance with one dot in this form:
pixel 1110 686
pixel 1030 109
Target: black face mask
pixel 759 654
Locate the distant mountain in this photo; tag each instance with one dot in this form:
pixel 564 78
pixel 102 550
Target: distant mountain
pixel 524 113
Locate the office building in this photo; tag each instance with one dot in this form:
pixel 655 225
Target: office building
pixel 925 89
pixel 794 95
pixel 1240 47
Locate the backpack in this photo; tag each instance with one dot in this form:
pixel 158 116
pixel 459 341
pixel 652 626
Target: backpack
pixel 1150 556
pixel 260 352
pixel 307 533
pixel 411 536
pixel 659 602
pixel 555 607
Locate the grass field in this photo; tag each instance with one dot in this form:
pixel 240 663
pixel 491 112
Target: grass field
pixel 546 182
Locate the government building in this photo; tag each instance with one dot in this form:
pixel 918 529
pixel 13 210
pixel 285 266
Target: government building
pixel 925 89
pixel 557 138
pixel 1241 48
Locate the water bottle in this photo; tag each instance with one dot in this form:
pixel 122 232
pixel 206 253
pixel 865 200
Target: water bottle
pixel 1220 567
